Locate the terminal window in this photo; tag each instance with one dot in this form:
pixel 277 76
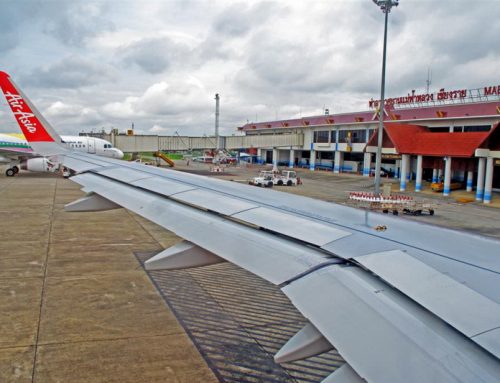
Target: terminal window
pixel 321 137
pixel 477 128
pixel 352 136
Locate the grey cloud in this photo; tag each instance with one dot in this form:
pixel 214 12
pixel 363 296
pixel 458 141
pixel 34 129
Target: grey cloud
pixel 74 22
pixel 239 18
pixel 71 72
pixel 270 59
pixel 155 55
pixel 236 21
pixel 14 14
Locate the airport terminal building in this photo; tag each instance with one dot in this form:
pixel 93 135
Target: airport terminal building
pixel 447 135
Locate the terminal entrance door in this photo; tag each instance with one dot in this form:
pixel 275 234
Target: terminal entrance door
pixel 269 157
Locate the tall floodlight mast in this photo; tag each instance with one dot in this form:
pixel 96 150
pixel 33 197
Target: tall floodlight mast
pixel 385 6
pixel 217 122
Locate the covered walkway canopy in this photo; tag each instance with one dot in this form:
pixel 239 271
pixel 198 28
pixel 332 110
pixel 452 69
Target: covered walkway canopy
pixel 468 153
pixel 420 140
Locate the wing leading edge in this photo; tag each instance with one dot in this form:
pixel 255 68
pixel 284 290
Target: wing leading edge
pixel 394 304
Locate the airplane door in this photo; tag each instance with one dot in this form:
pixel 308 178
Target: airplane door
pixel 91 145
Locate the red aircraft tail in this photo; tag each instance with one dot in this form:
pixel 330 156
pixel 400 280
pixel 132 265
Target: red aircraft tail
pixel 38 132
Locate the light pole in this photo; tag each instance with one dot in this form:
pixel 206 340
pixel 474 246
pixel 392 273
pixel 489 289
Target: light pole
pixel 217 98
pixel 385 6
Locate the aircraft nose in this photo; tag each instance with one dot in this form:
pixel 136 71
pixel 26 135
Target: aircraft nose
pixel 119 153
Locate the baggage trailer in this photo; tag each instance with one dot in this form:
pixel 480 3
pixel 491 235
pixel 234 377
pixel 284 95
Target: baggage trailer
pixel 395 204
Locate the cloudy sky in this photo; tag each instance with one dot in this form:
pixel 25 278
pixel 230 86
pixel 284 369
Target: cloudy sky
pixel 158 64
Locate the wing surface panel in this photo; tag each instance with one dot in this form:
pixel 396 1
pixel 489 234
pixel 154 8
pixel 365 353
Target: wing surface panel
pixel 162 186
pixel 214 201
pixel 384 336
pixel 316 233
pixel 268 256
pixel 468 311
pixel 123 174
pixel 82 163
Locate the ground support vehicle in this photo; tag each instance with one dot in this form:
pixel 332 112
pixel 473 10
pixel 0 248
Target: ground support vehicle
pixel 439 186
pixel 264 179
pixel 287 177
pixel 395 204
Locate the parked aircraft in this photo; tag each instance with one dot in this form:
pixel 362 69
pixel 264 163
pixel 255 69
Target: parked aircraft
pixel 413 303
pixel 17 153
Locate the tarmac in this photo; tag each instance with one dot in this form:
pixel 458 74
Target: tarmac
pixel 76 304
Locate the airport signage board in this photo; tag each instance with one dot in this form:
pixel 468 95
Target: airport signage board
pixel 442 96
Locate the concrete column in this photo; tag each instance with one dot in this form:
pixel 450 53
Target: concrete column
pixel 312 160
pixel 447 176
pixel 259 155
pixel 434 175
pixel 291 161
pixel 397 170
pixel 480 179
pixel 275 158
pixel 470 176
pixel 409 169
pixel 339 159
pixel 405 159
pixel 488 183
pixel 418 181
pixel 367 164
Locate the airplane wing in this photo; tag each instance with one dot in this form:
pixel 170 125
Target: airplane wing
pixel 414 303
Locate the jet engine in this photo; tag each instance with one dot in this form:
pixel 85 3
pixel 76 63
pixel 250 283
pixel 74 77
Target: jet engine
pixel 38 164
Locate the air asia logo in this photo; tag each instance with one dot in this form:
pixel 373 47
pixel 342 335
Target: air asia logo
pixel 16 102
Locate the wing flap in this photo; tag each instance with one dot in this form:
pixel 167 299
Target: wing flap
pixel 306 230
pixel 162 186
pixel 220 203
pixel 123 174
pixel 466 310
pixel 385 336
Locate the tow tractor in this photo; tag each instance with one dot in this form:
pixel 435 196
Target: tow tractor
pixel 288 178
pixel 268 178
pixel 264 179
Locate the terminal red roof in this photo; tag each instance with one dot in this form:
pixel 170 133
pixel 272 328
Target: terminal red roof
pixel 408 114
pixel 415 139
